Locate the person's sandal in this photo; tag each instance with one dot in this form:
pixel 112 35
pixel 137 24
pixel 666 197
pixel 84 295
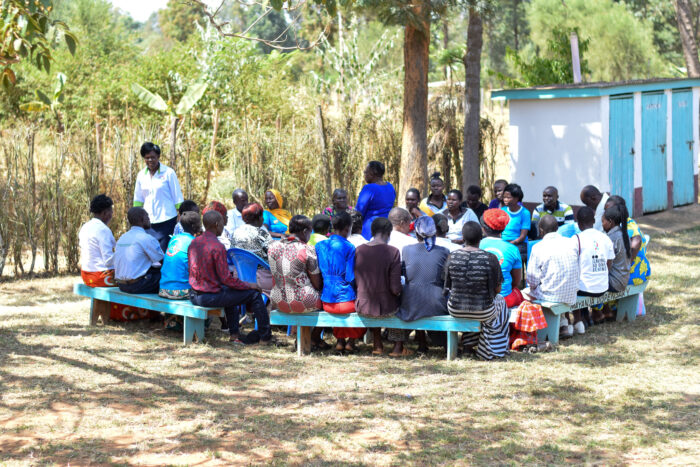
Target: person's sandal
pixel 378 352
pixel 404 353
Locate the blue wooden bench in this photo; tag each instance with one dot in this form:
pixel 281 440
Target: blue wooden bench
pixel 194 316
pixel 305 321
pixel 626 307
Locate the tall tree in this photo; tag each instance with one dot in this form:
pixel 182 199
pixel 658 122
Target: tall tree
pixel 688 39
pixel 471 166
pixel 177 19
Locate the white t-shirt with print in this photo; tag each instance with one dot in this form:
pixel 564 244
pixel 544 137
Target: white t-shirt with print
pixel 596 250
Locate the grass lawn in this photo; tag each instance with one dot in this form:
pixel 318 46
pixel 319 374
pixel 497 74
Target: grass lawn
pixel 625 393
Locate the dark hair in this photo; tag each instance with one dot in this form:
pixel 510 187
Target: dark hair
pixel 585 215
pixel 339 191
pixel 356 217
pixel 514 190
pixel 100 203
pixel 148 147
pixel 500 181
pixel 413 190
pixel 298 224
pixel 134 215
pixel 252 212
pixel 616 200
pixel 617 214
pixel 456 192
pixel 474 190
pixel 472 233
pixel 191 222
pixel 436 176
pixel 377 168
pixel 188 206
pixel 210 218
pixel 321 223
pixel 441 225
pixel 381 225
pixel 341 221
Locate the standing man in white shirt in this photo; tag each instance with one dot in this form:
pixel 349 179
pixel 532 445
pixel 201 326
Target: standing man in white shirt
pixel 138 256
pixel 594 199
pixel 97 244
pixel 235 219
pixel 401 221
pixel 158 191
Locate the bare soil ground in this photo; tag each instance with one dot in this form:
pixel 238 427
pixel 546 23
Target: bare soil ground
pixel 124 394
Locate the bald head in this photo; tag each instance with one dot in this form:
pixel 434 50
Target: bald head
pixel 591 196
pixel 547 224
pixel 400 219
pixel 240 198
pixel 138 217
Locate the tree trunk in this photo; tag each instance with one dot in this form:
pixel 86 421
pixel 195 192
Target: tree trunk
pixel 321 127
pixel 414 146
pixel 212 155
pixel 688 42
pixel 173 138
pixel 472 102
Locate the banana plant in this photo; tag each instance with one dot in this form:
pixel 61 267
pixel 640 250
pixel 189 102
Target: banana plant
pixel 192 95
pixel 51 104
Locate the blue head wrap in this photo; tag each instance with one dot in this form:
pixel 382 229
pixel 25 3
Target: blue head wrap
pixel 425 227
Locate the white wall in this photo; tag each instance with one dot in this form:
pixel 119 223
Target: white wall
pixel 558 142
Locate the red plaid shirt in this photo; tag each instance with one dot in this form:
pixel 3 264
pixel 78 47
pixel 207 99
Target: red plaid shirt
pixel 206 258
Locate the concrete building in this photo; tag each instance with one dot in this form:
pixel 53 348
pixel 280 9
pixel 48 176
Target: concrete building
pixel 636 139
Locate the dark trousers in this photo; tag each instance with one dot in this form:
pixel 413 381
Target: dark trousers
pixel 162 231
pixel 149 283
pixel 230 300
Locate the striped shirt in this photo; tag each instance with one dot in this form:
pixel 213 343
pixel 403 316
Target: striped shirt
pixel 564 214
pixel 472 276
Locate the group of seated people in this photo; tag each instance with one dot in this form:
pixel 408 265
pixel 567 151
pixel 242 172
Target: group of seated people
pixel 439 255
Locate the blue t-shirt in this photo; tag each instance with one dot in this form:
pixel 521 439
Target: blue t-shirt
pixel 508 257
pixel 518 221
pixel 175 274
pixel 275 225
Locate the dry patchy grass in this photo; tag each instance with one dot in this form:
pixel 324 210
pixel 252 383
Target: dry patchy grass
pixel 131 394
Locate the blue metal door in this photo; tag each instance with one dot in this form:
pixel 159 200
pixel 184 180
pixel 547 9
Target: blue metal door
pixel 654 186
pixel 622 148
pixel 683 191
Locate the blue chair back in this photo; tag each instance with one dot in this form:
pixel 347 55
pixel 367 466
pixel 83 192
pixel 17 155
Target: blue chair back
pixel 246 263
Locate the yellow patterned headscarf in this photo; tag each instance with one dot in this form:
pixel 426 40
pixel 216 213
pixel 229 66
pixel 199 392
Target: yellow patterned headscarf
pixel 282 215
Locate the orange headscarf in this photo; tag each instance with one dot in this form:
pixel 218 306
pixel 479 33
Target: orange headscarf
pixel 282 215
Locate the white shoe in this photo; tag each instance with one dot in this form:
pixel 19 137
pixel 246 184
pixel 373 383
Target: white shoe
pixel 566 332
pixel 580 328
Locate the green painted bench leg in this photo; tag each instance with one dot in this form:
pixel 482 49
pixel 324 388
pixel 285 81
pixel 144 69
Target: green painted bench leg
pixel 551 332
pixel 99 309
pixel 191 327
pixel 451 345
pixel 303 340
pixel 627 306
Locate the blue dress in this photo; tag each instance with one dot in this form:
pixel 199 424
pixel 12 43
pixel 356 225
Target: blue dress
pixel 374 201
pixel 275 225
pixel 336 260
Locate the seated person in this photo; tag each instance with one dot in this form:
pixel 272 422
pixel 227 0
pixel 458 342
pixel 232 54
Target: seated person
pixel 339 203
pixel 356 237
pixel 551 205
pixel 401 226
pixel 97 244
pixel 378 277
pixel 640 270
pixel 137 256
pixel 422 296
pixel 213 285
pixel 594 199
pixel 456 216
pixel 473 201
pixel 473 279
pixel 436 201
pixel 174 275
pixel 498 187
pixel 225 237
pixel 275 218
pixel 615 225
pixel 595 257
pixel 412 202
pixel 493 222
pixel 517 229
pixel 251 236
pixel 235 215
pixel 442 227
pixel 336 260
pixel 553 270
pixel 187 206
pixel 321 225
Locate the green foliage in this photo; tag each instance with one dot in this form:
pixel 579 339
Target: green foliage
pixel 26 33
pixel 621 45
pixel 177 19
pixel 553 67
pixel 49 104
pixel 506 29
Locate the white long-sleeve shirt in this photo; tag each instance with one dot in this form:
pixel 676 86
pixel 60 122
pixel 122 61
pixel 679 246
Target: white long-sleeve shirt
pixel 96 246
pixel 553 269
pixel 159 193
pixel 135 253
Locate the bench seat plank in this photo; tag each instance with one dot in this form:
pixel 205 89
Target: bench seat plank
pixel 194 316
